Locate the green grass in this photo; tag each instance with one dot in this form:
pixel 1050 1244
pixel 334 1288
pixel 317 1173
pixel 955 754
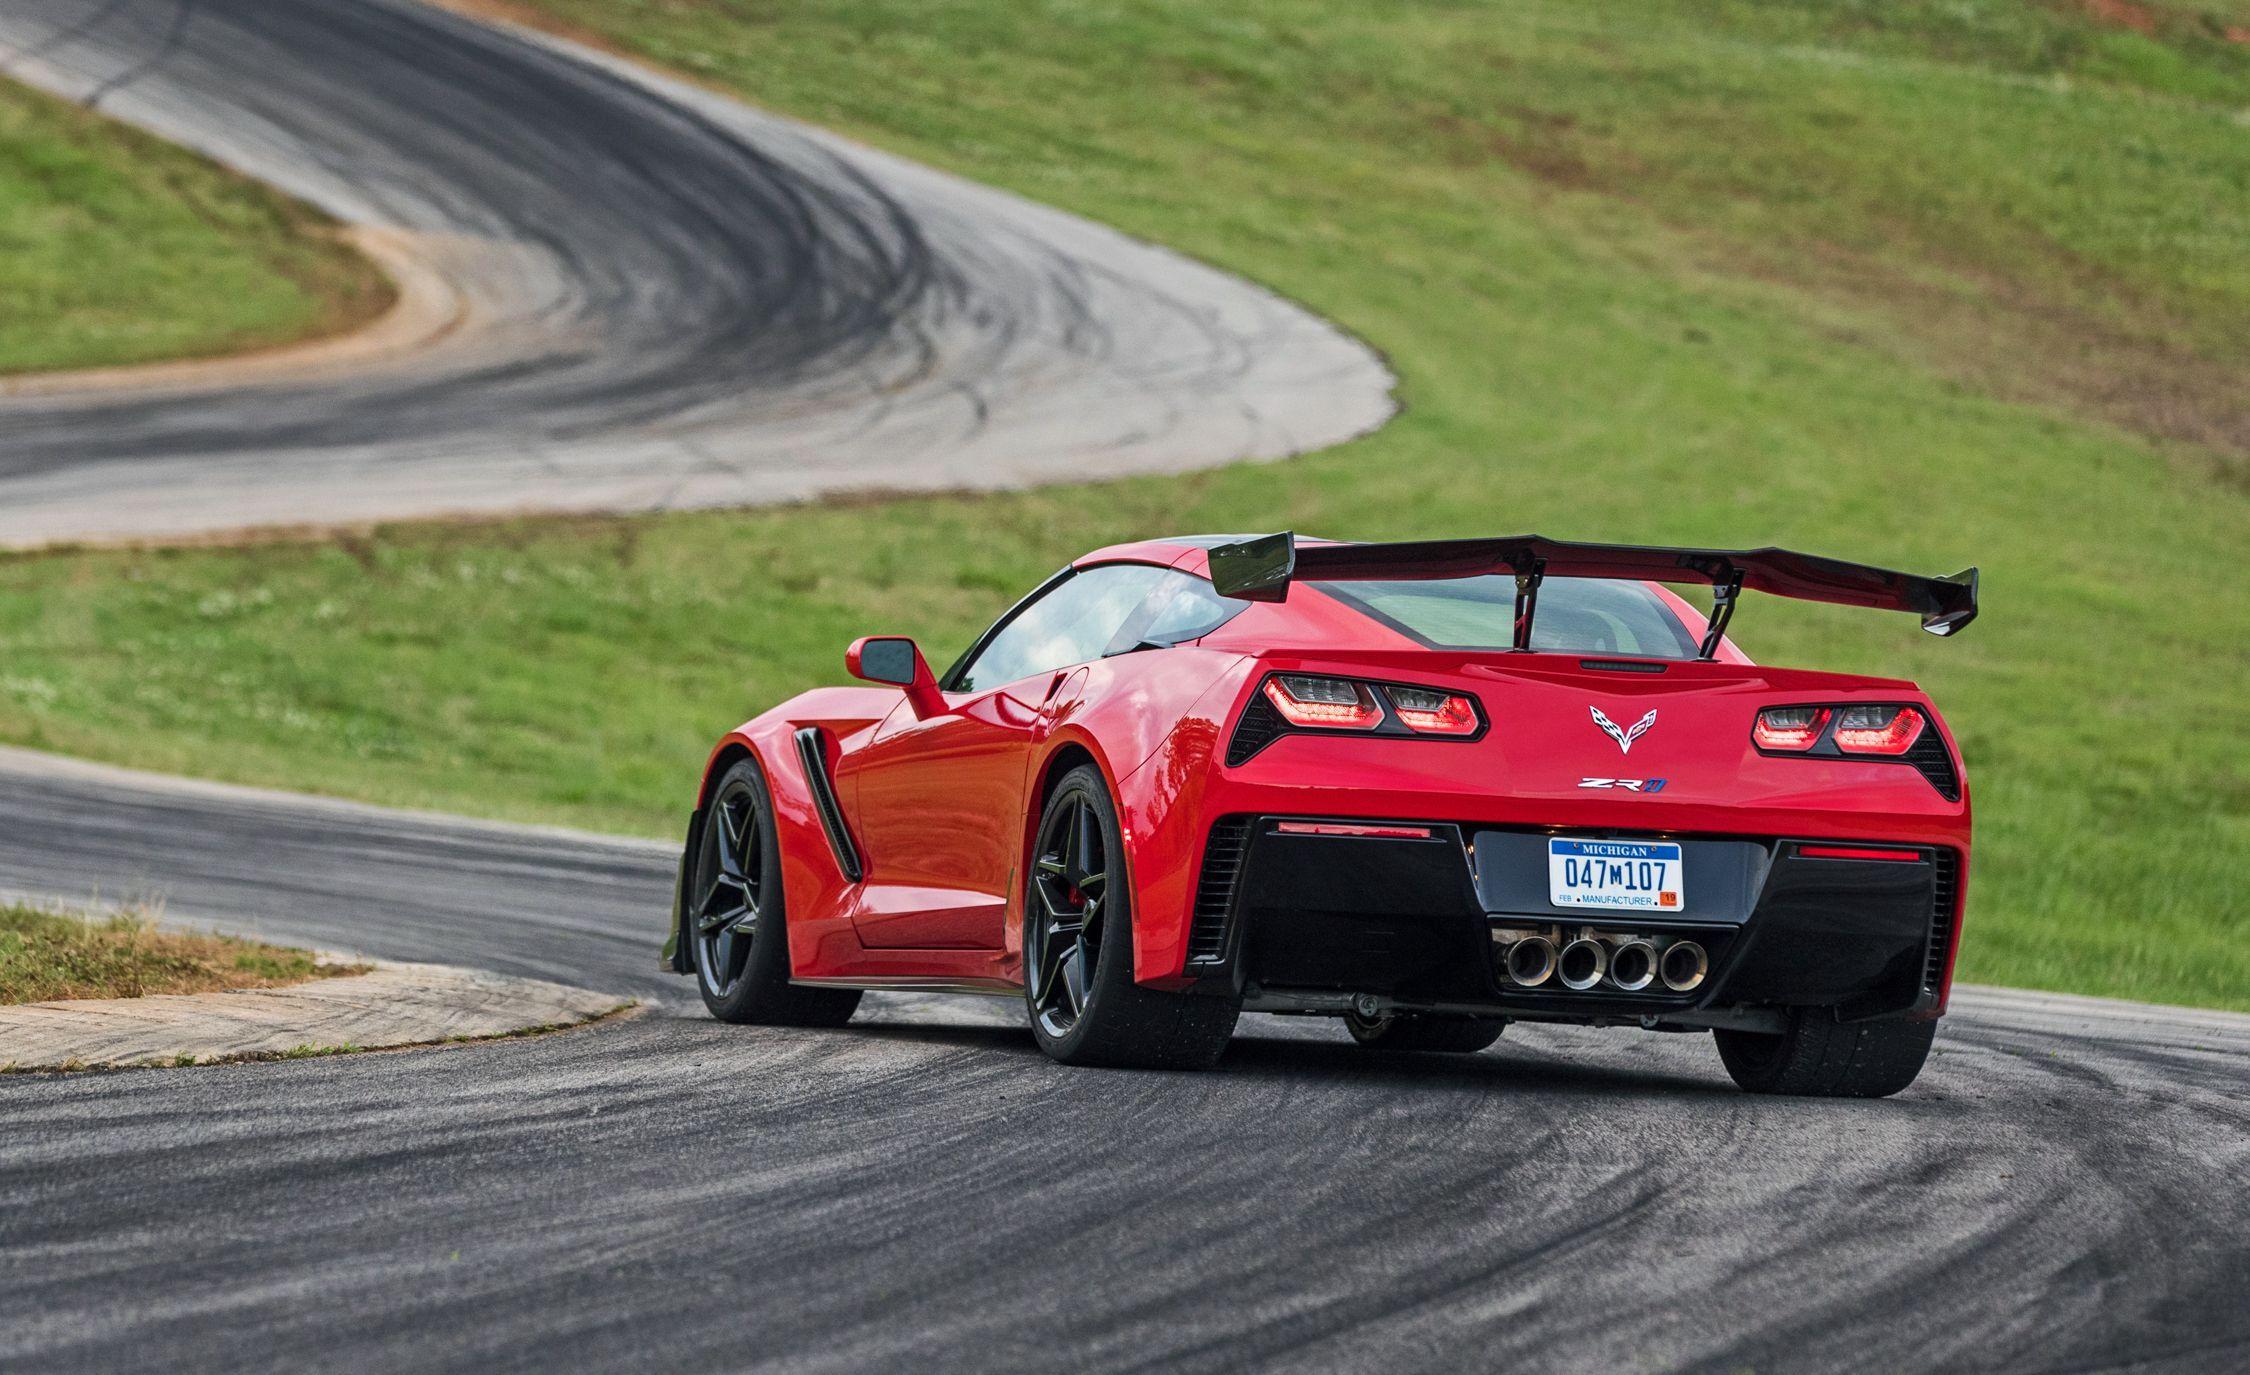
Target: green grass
pixel 116 248
pixel 1922 284
pixel 47 954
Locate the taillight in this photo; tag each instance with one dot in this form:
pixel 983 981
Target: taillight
pixel 1791 730
pixel 1363 830
pixel 1323 703
pixel 1430 712
pixel 1878 730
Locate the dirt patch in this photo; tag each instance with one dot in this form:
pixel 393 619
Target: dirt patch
pixel 1534 142
pixel 533 17
pixel 2124 14
pixel 2018 339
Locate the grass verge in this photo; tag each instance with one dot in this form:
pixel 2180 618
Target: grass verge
pixel 1925 284
pixel 118 248
pixel 47 955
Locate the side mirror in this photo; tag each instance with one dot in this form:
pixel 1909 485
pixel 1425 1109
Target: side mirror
pixel 896 661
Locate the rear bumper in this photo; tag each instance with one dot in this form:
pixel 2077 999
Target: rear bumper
pixel 1295 919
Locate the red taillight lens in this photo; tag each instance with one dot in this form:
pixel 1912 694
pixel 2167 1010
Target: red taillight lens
pixel 1351 828
pixel 1793 729
pixel 1859 852
pixel 1324 703
pixel 1878 730
pixel 1429 712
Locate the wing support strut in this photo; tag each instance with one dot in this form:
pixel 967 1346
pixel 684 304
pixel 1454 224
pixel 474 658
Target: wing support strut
pixel 1723 597
pixel 1528 579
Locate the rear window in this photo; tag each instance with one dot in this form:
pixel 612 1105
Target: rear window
pixel 1575 615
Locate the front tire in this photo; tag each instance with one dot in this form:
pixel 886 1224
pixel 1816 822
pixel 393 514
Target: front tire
pixel 1406 1031
pixel 1085 1008
pixel 1820 1057
pixel 738 922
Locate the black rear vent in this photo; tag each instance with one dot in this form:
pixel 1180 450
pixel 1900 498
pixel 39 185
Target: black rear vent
pixel 1259 726
pixel 1946 890
pixel 1214 893
pixel 1929 755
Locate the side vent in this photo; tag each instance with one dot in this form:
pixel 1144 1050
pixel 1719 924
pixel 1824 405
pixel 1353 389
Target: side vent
pixel 1945 892
pixel 1214 892
pixel 814 756
pixel 1258 728
pixel 1929 756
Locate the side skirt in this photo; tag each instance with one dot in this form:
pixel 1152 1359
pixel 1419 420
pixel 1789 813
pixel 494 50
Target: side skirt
pixel 908 984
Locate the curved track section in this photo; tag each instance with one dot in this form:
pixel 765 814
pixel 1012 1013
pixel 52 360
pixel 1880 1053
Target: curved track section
pixel 629 293
pixel 923 1189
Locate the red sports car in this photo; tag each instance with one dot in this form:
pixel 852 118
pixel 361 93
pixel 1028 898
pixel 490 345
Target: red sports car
pixel 1428 788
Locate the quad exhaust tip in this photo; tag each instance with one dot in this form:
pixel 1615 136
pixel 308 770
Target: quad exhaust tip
pixel 1685 965
pixel 1531 962
pixel 1633 967
pixel 1633 964
pixel 1581 964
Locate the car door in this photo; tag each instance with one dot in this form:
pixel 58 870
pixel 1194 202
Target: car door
pixel 941 799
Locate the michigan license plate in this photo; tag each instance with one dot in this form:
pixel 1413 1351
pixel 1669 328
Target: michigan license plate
pixel 1622 875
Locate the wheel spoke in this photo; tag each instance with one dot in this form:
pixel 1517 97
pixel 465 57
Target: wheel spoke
pixel 1055 910
pixel 723 839
pixel 1054 948
pixel 1085 857
pixel 723 919
pixel 720 884
pixel 746 845
pixel 1074 979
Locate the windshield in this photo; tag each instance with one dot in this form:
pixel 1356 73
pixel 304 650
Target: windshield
pixel 1575 615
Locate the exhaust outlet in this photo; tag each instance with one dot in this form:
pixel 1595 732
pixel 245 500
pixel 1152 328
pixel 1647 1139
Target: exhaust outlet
pixel 1582 964
pixel 1529 962
pixel 1633 967
pixel 1684 966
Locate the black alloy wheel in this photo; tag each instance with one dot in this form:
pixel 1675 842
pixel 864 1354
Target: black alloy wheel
pixel 1062 939
pixel 724 917
pixel 1085 1007
pixel 736 919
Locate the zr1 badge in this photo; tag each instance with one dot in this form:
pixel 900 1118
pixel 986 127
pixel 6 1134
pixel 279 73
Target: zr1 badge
pixel 1631 785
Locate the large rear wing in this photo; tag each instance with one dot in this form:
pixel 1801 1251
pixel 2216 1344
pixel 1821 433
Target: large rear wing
pixel 1261 569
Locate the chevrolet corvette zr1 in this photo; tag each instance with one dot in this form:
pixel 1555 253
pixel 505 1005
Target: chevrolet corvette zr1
pixel 1428 788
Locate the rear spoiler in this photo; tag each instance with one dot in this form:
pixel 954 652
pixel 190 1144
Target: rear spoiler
pixel 1261 569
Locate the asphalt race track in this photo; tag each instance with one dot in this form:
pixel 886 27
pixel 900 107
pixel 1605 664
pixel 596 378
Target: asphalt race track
pixel 622 292
pixel 625 293
pixel 2062 1190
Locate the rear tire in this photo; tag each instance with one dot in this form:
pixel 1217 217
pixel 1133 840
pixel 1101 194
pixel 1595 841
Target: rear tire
pixel 738 922
pixel 1085 1008
pixel 1445 1035
pixel 1820 1057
